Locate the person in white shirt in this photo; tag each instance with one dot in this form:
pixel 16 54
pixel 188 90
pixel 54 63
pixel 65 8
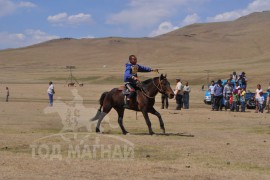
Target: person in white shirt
pixel 51 92
pixel 186 90
pixel 261 102
pixel 178 94
pixel 257 96
pixel 211 89
pixel 234 76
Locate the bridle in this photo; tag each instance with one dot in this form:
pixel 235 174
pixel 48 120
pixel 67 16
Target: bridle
pixel 159 89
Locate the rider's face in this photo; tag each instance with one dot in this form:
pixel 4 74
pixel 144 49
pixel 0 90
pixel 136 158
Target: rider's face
pixel 133 60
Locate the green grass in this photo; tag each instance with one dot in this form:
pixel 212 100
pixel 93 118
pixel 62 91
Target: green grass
pixel 260 130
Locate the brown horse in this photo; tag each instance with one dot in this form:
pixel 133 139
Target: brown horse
pixel 144 102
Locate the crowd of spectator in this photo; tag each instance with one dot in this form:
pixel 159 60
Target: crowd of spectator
pixel 232 95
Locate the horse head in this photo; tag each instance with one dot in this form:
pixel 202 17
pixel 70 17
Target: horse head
pixel 165 87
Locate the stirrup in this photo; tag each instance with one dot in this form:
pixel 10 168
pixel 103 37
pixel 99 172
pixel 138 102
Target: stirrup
pixel 126 101
pixel 126 106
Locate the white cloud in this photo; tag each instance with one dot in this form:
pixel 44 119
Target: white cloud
pixel 88 37
pixel 166 27
pixel 26 4
pixel 29 37
pixel 255 6
pixel 146 13
pixel 79 18
pixel 58 18
pixel 163 28
pixel 8 7
pixel 65 19
pixel 191 19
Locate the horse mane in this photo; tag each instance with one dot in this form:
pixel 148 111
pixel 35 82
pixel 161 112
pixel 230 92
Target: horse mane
pixel 147 81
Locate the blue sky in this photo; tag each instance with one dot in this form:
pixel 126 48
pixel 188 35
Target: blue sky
pixel 27 22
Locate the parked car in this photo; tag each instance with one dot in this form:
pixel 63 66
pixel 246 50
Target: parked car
pixel 250 100
pixel 207 97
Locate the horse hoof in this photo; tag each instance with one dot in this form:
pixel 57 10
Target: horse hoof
pixel 97 130
pixel 163 131
pixel 126 133
pixel 152 133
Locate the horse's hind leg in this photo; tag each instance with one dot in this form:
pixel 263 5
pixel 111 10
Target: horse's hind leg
pixel 101 116
pixel 120 120
pixel 106 110
pixel 153 111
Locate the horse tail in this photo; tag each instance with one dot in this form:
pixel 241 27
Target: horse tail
pixel 101 99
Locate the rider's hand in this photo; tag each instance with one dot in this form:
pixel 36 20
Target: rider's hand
pixel 136 79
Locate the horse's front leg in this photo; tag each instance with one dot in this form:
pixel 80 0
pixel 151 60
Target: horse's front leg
pixel 120 112
pixel 153 111
pixel 148 122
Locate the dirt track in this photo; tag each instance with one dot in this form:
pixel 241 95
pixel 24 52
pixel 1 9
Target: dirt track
pixel 200 144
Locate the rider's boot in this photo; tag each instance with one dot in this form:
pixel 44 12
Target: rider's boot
pixel 126 105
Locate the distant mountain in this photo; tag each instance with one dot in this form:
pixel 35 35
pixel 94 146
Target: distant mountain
pixel 246 37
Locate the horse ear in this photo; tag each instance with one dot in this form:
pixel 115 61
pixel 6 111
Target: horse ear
pixel 161 76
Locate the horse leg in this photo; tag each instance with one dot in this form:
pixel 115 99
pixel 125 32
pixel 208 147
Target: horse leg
pixel 101 116
pixel 120 120
pixel 106 110
pixel 153 111
pixel 148 122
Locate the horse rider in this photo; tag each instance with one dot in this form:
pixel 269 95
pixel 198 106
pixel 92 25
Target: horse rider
pixel 131 78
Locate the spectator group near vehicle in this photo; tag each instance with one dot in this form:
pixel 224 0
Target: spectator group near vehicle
pixel 247 100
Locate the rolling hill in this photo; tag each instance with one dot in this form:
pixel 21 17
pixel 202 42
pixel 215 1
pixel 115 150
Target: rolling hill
pixel 222 47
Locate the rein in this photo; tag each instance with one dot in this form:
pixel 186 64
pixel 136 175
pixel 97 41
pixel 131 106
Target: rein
pixel 155 86
pixel 159 83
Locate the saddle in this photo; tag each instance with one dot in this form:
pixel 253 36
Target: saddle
pixel 124 90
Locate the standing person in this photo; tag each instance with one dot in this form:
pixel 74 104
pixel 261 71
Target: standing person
pixel 186 90
pixel 244 80
pixel 257 96
pixel 243 100
pixel 131 78
pixel 268 99
pixel 51 92
pixel 164 101
pixel 237 87
pixel 227 92
pixel 231 77
pixel 261 102
pixel 218 94
pixel 7 94
pixel 234 76
pixel 179 94
pixel 211 89
pixel 235 106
